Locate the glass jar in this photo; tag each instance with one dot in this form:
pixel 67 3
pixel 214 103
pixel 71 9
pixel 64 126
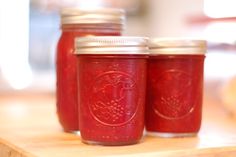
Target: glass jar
pixel 112 84
pixel 78 23
pixel 175 87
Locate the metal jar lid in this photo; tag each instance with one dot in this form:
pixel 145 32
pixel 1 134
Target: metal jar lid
pixel 92 16
pixel 177 46
pixel 111 45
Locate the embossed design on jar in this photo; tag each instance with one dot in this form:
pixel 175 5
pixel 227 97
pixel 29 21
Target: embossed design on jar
pixel 172 101
pixel 114 98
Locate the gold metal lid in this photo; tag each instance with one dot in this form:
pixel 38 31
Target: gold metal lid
pixel 92 16
pixel 111 45
pixel 177 46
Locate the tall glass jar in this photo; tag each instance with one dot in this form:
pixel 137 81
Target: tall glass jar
pixel 175 87
pixel 112 85
pixel 78 23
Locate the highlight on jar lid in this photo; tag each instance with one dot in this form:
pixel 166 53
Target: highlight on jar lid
pixel 111 45
pixel 177 46
pixel 92 16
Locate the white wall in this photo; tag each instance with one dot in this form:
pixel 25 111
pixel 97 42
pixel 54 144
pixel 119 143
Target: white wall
pixel 165 18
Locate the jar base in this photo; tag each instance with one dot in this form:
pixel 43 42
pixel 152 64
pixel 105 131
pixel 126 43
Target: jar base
pixel 170 135
pixel 109 143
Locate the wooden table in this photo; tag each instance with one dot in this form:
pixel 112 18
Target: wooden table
pixel 29 127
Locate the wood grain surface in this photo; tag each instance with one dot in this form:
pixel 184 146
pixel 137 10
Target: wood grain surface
pixel 29 127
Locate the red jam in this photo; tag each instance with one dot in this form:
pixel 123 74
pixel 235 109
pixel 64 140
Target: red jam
pixel 67 105
pixel 112 89
pixel 112 98
pixel 175 89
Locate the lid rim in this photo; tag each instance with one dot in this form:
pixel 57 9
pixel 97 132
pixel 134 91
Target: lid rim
pixel 178 46
pixel 111 44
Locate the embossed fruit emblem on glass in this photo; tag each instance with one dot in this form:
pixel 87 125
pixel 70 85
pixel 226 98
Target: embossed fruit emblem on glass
pixel 172 103
pixel 111 94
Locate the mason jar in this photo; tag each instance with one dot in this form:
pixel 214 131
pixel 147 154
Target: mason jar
pixel 175 87
pixel 112 85
pixel 77 22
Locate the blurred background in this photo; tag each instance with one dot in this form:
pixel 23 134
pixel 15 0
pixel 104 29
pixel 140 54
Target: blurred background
pixel 29 31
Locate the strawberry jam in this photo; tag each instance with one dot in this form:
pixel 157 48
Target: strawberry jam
pixel 74 24
pixel 112 84
pixel 175 87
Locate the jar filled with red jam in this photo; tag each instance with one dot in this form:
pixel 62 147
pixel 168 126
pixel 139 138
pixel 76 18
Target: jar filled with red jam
pixel 112 85
pixel 175 87
pixel 79 23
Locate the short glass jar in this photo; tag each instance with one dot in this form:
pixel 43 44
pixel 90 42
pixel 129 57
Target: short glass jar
pixel 77 22
pixel 112 85
pixel 175 87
